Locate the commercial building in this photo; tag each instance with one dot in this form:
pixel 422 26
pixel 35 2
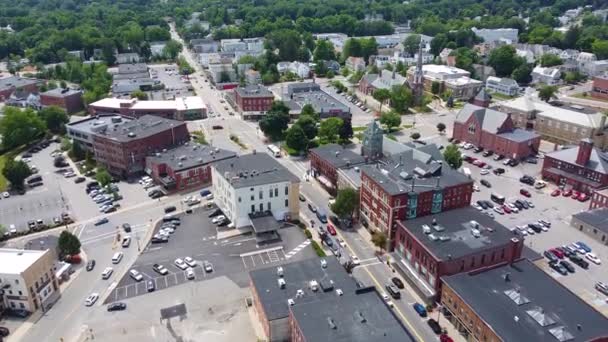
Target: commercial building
pixel 326 160
pixel 68 99
pixel 182 108
pixel 204 45
pixel 28 280
pixel 494 131
pixel 132 77
pixel 594 223
pixel 508 35
pixel 548 75
pixel 563 124
pixel 458 81
pixel 583 168
pixel 9 85
pixel 300 94
pixel 599 198
pixel 129 57
pixel 519 302
pixel 504 86
pixel 253 101
pixel 255 190
pixel 121 144
pixel 600 87
pixel 451 242
pixel 185 167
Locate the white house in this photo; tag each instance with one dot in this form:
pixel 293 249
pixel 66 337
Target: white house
pixel 443 55
pixel 129 57
pixel 156 48
pixel 355 63
pixel 585 61
pixel 298 68
pixel 505 86
pixel 248 186
pixel 548 76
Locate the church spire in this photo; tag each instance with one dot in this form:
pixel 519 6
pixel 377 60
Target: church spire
pixel 418 83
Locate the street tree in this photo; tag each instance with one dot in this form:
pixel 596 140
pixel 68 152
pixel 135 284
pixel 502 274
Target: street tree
pixel 411 44
pixel 329 130
pixel 308 125
pixel 441 127
pixel 295 138
pixel 504 60
pixel 549 60
pixel 16 172
pixel 103 177
pixel 68 244
pixel 523 73
pixel 20 127
pixel 346 131
pixel 452 156
pixel 324 51
pixel 379 239
pixel 275 122
pixel 415 136
pixel 55 118
pixel 381 95
pixel 309 110
pixel 547 92
pixel 172 49
pixel 347 201
pixel 140 95
pixel 390 120
pixel 401 99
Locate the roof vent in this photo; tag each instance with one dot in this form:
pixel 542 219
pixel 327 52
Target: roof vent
pixel 339 292
pixel 314 285
pixel 281 282
pixel 291 302
pixel 131 135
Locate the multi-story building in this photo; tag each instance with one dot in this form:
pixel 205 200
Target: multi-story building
pixel 9 85
pixel 494 131
pixel 326 160
pixel 563 125
pixel 504 86
pixel 68 99
pixel 451 242
pixel 583 168
pixel 204 45
pixel 300 94
pixel 456 80
pixel 509 35
pixel 548 75
pixel 121 145
pixel 600 87
pixel 593 222
pixel 599 198
pixel 28 280
pixel 182 108
pixel 519 302
pixel 254 186
pixel 253 101
pixel 129 57
pixel 222 73
pixel 355 64
pixel 185 167
pixel 385 80
pixel 585 61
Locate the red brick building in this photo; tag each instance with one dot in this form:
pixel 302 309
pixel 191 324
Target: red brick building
pixel 10 84
pixel 185 167
pixel 451 242
pixel 583 168
pixel 494 131
pixel 600 87
pixel 68 99
pixel 325 161
pixel 121 145
pixel 599 199
pixel 253 100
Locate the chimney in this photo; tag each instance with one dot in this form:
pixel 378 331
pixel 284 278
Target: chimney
pixel 585 147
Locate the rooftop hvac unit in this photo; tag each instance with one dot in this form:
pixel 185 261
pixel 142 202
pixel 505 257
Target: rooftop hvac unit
pixel 291 302
pixel 314 285
pixel 281 282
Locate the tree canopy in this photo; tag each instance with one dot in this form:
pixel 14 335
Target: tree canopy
pixel 329 130
pixel 19 127
pixel 452 156
pixel 275 121
pixel 16 172
pixel 347 201
pixel 68 244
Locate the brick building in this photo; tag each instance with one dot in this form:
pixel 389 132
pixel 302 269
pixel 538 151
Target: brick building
pixel 583 168
pixel 253 101
pixel 600 87
pixel 599 198
pixel 494 131
pixel 68 99
pixel 185 167
pixel 450 242
pixel 519 302
pixel 325 161
pixel 122 145
pixel 9 85
pixel 594 223
pixel 182 108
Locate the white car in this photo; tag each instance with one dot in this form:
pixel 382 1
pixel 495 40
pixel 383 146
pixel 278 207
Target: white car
pixel 190 273
pixel 209 197
pixel 207 266
pixel 219 218
pixel 484 172
pixel 91 299
pixel 506 161
pixel 513 207
pixel 169 230
pixel 190 262
pixel 498 210
pixel 107 272
pixel 593 258
pixel 180 264
pixel 478 207
pixel 523 231
pixel 69 175
pixel 476 187
pixel 6 194
pixel 388 300
pixel 355 260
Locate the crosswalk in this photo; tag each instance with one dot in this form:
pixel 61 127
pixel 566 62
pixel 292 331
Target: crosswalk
pixel 297 249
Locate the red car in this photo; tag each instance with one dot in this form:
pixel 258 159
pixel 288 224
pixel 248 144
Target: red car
pixel 583 197
pixel 557 253
pixel 331 229
pixel 445 338
pixel 575 194
pixel 525 192
pixel 506 209
pixel 567 193
pixel 556 193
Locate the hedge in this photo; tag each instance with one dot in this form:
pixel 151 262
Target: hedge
pixel 318 249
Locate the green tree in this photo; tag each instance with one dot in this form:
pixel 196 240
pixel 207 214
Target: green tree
pixel 522 74
pixel 573 77
pixel 452 156
pixel 55 118
pixel 415 136
pixel 379 239
pixel 324 51
pixel 16 172
pixel 329 130
pixel 68 244
pixel 391 120
pixel 401 98
pixel 308 125
pixel 308 110
pixel 438 43
pixel 295 138
pixel 103 177
pixel 549 60
pixel 346 131
pixel 441 127
pixel 600 48
pixel 381 95
pixel 411 44
pixel 140 95
pixel 76 152
pixel 465 58
pixel 20 127
pixel 504 60
pixel 347 201
pixel 546 93
pixel 275 121
pixel 172 49
pixel 435 88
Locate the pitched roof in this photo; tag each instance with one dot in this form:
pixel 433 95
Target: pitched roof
pixel 489 119
pixel 338 156
pixel 483 96
pixel 598 218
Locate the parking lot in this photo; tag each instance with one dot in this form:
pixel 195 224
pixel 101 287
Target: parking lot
pixel 197 238
pixel 176 85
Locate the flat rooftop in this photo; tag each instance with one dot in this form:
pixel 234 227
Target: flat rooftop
pixel 133 68
pixel 190 155
pixel 356 317
pixel 179 104
pixel 338 156
pixel 58 92
pixel 597 218
pixel 521 302
pixel 16 81
pixel 319 100
pixel 451 235
pixel 15 261
pixel 122 129
pixel 253 91
pixel 297 276
pixel 254 169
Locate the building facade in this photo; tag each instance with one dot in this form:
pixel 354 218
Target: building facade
pixel 599 198
pixel 68 99
pixel 327 160
pixel 504 86
pixel 253 101
pixel 600 87
pixel 594 223
pixel 458 81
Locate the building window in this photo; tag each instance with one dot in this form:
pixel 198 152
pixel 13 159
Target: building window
pixel 239 199
pixel 253 208
pixel 286 203
pixel 270 193
pixel 16 281
pixel 261 194
pixel 252 197
pixel 261 206
pixel 20 293
pixel 276 192
pixel 286 190
pixel 269 207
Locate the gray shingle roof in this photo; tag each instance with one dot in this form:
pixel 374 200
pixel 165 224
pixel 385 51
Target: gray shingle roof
pixel 338 156
pixel 16 81
pixel 254 169
pixel 519 135
pixel 514 308
pixel 188 156
pixel 598 218
pixel 598 161
pixel 490 119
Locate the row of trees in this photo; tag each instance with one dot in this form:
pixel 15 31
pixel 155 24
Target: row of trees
pixel 93 78
pixel 20 127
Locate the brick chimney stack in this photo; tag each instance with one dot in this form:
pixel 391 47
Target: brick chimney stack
pixel 584 151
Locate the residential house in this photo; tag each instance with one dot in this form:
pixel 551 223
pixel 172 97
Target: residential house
pixel 548 76
pixel 600 87
pixel 509 35
pixel 504 86
pixel 355 64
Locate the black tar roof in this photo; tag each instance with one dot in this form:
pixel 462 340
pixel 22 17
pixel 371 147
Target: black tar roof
pixel 297 276
pixel 338 156
pixel 362 317
pixel 598 218
pixel 456 225
pixel 254 169
pixel 125 129
pixel 510 314
pixel 192 155
pixel 17 82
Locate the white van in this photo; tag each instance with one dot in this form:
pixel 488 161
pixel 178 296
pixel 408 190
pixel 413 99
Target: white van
pixel 107 272
pixel 117 257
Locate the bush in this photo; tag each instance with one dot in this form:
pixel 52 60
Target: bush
pixel 318 249
pixel 308 234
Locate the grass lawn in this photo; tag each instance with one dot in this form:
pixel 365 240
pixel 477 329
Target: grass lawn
pixel 3 181
pixel 359 128
pixel 499 96
pixel 588 97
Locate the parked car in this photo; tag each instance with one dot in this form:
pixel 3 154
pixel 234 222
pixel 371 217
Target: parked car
pixel 525 192
pixel 420 309
pixel 558 268
pixel 567 266
pixel 567 193
pixel 485 183
pixel 180 264
pixel 126 227
pixel 556 193
pixel 4 332
pixel 117 306
pixel 550 256
pixel 150 285
pixel 189 273
pixel 207 266
pixel 602 287
pixel 190 262
pixel 593 258
pixel 434 326
pixel 312 207
pixel 398 282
